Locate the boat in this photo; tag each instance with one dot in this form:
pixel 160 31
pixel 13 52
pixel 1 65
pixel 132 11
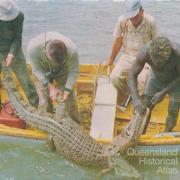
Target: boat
pixel 86 84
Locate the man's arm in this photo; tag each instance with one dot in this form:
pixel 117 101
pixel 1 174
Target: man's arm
pixel 73 67
pixel 132 79
pixel 18 27
pixel 118 35
pixel 115 50
pixel 35 61
pixel 154 30
pixel 16 43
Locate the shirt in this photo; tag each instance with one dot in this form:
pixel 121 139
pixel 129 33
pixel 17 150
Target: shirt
pixel 134 38
pixel 11 34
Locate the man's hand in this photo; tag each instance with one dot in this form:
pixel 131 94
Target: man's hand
pixel 115 50
pixel 9 59
pixel 139 107
pixel 53 91
pixel 158 97
pixel 65 96
pixel 108 63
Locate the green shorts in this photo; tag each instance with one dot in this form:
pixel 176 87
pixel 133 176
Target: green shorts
pixel 154 85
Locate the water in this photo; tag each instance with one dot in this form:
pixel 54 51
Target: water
pixel 90 25
pixel 23 159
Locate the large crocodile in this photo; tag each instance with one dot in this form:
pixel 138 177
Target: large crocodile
pixel 68 137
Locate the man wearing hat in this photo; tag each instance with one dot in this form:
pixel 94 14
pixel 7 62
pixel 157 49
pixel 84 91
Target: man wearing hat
pixel 164 58
pixel 54 57
pixel 11 25
pixel 132 31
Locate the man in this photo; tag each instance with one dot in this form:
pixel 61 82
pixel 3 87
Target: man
pixel 132 31
pixel 54 57
pixel 11 25
pixel 164 58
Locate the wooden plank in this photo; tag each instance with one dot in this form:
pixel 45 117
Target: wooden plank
pixel 104 111
pixel 102 126
pixel 106 93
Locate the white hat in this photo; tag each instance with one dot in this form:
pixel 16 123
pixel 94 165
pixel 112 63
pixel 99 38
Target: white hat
pixel 8 10
pixel 132 8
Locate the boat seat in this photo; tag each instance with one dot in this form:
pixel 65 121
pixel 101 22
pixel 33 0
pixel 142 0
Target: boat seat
pixel 104 111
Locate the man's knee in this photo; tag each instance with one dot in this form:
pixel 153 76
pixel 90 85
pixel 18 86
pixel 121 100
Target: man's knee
pixel 173 111
pixel 147 101
pixel 120 83
pixel 113 76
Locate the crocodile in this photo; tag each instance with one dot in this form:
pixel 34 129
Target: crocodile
pixel 71 140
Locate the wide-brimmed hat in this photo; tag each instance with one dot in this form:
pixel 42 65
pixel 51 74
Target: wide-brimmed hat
pixel 132 8
pixel 8 10
pixel 160 50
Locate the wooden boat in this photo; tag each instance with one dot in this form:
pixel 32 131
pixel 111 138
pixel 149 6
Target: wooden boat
pixel 85 87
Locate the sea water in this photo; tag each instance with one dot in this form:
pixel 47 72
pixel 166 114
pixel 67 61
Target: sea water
pixel 25 159
pixel 90 23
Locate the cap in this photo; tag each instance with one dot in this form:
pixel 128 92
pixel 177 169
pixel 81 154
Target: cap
pixel 132 8
pixel 8 10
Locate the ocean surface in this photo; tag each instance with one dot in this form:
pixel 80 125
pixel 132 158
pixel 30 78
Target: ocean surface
pixel 90 25
pixel 25 159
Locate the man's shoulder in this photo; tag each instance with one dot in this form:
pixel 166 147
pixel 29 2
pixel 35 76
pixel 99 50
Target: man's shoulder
pixel 21 14
pixel 149 18
pixel 122 22
pixel 19 18
pixel 122 19
pixel 70 45
pixel 42 38
pixel 36 42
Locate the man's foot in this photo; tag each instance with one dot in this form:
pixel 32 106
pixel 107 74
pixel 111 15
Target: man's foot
pixel 121 108
pixel 123 105
pixel 126 102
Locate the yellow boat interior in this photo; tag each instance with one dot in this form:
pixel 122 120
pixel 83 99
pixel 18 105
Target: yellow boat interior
pixel 85 92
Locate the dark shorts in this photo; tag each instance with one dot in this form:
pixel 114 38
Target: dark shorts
pixel 154 85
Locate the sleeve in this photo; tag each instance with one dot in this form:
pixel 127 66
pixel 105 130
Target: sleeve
pixel 73 67
pixel 119 27
pixel 18 27
pixel 155 31
pixel 37 68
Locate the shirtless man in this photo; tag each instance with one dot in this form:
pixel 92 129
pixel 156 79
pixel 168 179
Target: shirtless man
pixel 164 58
